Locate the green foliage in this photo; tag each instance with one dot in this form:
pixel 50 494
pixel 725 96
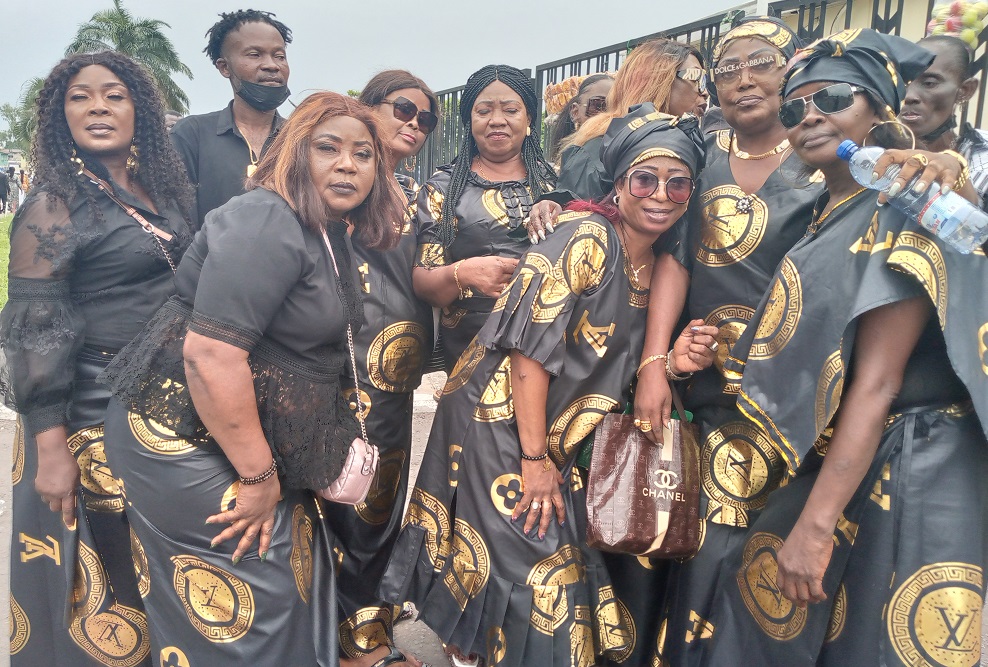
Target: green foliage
pixel 4 255
pixel 20 118
pixel 143 40
pixel 355 94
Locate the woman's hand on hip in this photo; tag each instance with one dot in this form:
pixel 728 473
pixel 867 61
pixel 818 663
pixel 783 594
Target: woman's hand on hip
pixel 540 486
pixel 542 219
pixel 253 516
pixel 488 275
pixel 58 474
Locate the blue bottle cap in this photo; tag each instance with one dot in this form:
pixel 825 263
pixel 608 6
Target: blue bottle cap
pixel 846 149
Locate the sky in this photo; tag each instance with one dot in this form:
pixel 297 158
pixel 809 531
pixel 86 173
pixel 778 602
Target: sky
pixel 340 45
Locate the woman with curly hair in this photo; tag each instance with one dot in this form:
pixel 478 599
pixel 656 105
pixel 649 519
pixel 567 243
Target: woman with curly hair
pixel 91 258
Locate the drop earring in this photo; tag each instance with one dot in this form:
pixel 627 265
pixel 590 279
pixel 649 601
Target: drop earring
pixel 77 162
pixel 528 131
pixel 408 164
pixel 133 166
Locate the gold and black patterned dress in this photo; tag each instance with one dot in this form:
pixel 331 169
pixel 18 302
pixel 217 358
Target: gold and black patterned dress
pixel 905 584
pixel 79 290
pixel 489 219
pixel 257 279
pixel 480 583
pixel 391 348
pixel 735 241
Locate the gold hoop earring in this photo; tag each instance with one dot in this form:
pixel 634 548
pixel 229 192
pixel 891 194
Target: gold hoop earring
pixel 77 162
pixel 892 134
pixel 133 166
pixel 409 166
pixel 528 131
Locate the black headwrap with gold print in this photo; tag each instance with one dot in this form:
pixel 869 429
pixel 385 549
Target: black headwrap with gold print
pixel 646 133
pixel 881 64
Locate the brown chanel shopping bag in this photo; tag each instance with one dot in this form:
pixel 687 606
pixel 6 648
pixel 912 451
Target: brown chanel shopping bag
pixel 644 499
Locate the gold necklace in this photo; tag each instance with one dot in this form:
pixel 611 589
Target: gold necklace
pixel 254 159
pixel 819 219
pixel 745 155
pixel 631 265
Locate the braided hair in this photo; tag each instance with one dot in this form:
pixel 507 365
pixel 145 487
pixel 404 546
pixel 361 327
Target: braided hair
pixel 230 21
pixel 541 177
pixel 161 173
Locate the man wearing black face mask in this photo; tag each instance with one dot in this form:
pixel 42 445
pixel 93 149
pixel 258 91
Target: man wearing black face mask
pixel 221 149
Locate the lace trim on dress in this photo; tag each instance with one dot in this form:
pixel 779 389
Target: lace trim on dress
pixel 301 408
pixel 245 339
pixel 31 289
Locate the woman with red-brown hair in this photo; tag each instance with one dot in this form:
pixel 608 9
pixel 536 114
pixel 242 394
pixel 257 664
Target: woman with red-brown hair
pixel 228 412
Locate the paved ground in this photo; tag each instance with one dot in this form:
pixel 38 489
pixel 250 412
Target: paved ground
pixel 411 636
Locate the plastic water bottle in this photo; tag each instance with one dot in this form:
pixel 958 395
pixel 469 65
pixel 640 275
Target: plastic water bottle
pixel 951 217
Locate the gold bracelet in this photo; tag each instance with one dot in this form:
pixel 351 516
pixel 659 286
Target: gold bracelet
pixel 672 376
pixel 464 293
pixel 963 176
pixel 647 360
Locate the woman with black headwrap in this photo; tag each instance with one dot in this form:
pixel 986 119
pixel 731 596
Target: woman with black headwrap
pixel 470 212
pixel 864 367
pixel 493 550
pixel 754 202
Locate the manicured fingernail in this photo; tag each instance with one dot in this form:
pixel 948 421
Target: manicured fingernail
pixel 528 531
pixel 875 176
pixel 534 239
pixel 208 522
pixel 919 187
pixel 695 329
pixel 549 226
pixel 894 190
pixel 945 188
pixel 513 519
pixel 880 203
pixel 212 545
pixel 542 234
pixel 264 556
pixel 542 537
pixel 236 560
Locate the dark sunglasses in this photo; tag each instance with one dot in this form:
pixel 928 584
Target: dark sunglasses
pixel 696 75
pixel 405 110
pixel 595 105
pixel 829 100
pixel 643 183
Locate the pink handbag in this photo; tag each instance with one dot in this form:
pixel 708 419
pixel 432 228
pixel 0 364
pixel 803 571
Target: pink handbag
pixel 360 467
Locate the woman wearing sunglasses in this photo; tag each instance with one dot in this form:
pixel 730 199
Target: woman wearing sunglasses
pixel 753 203
pixel 864 366
pixel 469 214
pixel 666 73
pixel 391 347
pixel 493 551
pixel 590 100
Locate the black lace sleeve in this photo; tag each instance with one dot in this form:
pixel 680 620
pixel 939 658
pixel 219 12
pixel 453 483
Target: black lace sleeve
pixel 40 329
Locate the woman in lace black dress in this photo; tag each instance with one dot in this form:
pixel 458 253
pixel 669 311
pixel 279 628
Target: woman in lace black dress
pixel 84 279
pixel 245 362
pixel 470 212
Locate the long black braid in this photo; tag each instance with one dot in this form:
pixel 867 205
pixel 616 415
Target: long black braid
pixel 541 177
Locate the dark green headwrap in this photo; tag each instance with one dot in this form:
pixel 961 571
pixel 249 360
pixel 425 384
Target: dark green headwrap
pixel 881 64
pixel 646 133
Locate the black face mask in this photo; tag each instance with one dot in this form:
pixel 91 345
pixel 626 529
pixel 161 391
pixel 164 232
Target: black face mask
pixel 261 97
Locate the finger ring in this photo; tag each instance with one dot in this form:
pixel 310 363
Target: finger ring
pixel 638 422
pixel 536 505
pixel 646 426
pixel 713 348
pixel 919 157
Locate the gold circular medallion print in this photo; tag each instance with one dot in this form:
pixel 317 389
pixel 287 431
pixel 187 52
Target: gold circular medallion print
pixel 395 357
pixel 470 567
pixel 737 463
pixel 301 556
pixel 730 233
pixel 219 604
pixel 934 618
pixel 156 437
pixel 773 611
pixel 116 637
pixel 731 320
pixel 781 315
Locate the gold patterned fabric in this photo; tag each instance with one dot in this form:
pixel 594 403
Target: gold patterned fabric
pixel 905 581
pixel 201 606
pixel 479 582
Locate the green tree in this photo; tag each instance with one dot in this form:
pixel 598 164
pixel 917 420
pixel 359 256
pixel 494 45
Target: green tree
pixel 20 118
pixel 140 38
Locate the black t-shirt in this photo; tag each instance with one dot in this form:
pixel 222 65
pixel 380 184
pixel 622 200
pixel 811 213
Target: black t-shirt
pixel 216 156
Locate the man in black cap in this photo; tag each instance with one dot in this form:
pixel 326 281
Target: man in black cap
pixel 221 149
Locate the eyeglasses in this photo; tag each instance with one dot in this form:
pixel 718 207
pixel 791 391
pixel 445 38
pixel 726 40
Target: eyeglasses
pixel 405 110
pixel 758 68
pixel 643 183
pixel 829 100
pixel 695 75
pixel 595 105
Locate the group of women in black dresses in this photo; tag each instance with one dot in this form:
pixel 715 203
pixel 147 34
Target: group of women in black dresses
pixel 184 394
